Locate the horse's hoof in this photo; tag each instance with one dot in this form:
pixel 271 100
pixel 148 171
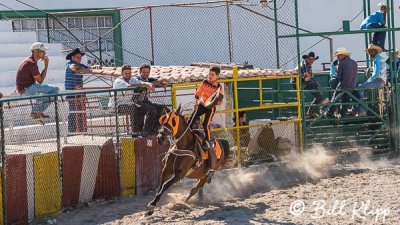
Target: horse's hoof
pixel 150 210
pixel 148 213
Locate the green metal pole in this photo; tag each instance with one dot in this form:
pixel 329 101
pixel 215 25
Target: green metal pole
pixel 366 35
pixel 3 164
pixel 300 73
pixel 394 118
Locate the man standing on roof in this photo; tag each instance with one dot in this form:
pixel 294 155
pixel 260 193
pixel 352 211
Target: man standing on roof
pixel 74 81
pixel 29 80
pixel 374 21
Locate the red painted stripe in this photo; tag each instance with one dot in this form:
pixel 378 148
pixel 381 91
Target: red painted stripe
pixel 148 157
pixel 16 190
pixel 107 181
pixel 72 161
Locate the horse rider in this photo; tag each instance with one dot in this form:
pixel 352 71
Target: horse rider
pixel 207 88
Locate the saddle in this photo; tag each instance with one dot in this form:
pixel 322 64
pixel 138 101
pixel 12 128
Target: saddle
pixel 200 138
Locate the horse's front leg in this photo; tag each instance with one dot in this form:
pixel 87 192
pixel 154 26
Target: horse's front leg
pixel 165 184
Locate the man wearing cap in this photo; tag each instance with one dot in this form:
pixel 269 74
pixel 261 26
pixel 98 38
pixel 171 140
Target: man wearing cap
pixel 346 77
pixel 378 78
pixel 309 83
pixel 374 21
pixel 74 81
pixel 29 80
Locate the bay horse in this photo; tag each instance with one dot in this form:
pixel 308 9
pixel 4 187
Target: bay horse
pixel 183 159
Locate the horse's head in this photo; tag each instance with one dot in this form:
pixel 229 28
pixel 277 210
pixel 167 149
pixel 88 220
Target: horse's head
pixel 171 124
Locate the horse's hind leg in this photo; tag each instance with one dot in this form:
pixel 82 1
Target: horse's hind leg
pixel 198 186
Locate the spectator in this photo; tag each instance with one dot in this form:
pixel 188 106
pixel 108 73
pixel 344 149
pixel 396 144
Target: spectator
pixel 74 81
pixel 151 110
pixel 333 82
pixel 378 78
pixel 376 20
pixel 309 83
pixel 125 104
pixel 244 132
pixel 29 80
pixel 346 78
pixel 395 64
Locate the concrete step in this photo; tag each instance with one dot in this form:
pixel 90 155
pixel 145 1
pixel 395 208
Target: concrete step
pixel 17 37
pixel 12 63
pixel 22 49
pixel 8 78
pixel 6 26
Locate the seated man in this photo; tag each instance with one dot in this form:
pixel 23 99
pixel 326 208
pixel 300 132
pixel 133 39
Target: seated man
pixel 309 83
pixel 125 104
pixel 30 81
pixel 376 20
pixel 151 110
pixel 378 78
pixel 346 78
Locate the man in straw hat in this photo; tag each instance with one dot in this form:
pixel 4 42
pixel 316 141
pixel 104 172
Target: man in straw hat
pixel 346 77
pixel 309 83
pixel 378 78
pixel 376 20
pixel 74 81
pixel 30 81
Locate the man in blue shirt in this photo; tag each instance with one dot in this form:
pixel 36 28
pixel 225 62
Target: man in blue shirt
pixel 74 81
pixel 378 78
pixel 376 20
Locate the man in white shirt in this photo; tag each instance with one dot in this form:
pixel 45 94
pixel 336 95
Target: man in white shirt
pixel 125 103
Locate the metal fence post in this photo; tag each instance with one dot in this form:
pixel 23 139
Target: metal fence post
pixel 118 145
pixel 100 52
pixel 236 98
pixel 3 164
pixel 228 20
pixel 58 141
pixel 151 36
pixel 48 28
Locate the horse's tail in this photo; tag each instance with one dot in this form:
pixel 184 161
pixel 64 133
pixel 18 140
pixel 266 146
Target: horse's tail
pixel 225 146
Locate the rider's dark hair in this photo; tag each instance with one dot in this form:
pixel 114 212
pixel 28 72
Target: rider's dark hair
pixel 215 69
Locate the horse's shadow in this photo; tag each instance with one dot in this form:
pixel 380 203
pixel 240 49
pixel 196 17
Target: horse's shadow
pixel 243 215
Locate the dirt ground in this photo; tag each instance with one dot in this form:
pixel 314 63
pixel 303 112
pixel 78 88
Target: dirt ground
pixel 313 189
